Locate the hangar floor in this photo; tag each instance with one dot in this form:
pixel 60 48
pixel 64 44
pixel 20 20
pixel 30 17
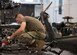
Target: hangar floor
pixel 44 53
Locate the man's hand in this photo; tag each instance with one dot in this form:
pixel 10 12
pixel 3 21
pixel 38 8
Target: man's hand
pixel 4 42
pixel 9 38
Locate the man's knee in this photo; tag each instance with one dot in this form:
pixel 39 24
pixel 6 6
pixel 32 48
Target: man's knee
pixel 26 35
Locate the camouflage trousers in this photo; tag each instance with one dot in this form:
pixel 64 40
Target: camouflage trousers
pixel 29 37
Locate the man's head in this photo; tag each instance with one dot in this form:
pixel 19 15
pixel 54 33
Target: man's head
pixel 19 18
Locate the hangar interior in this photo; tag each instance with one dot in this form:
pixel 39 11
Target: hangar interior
pixel 58 18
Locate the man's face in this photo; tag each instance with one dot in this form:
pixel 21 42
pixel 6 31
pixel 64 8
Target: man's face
pixel 18 19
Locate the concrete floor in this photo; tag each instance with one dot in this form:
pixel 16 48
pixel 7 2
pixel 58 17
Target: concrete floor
pixel 64 52
pixel 67 53
pixel 45 53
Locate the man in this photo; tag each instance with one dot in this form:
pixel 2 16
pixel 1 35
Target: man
pixel 30 29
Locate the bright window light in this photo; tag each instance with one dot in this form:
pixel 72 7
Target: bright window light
pixel 26 1
pixel 22 0
pixel 29 0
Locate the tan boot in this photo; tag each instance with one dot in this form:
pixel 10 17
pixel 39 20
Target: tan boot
pixel 40 44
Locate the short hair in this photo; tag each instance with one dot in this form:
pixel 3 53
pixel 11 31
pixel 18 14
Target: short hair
pixel 16 15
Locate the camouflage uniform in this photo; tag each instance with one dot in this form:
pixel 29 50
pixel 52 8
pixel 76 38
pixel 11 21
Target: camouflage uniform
pixel 34 30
